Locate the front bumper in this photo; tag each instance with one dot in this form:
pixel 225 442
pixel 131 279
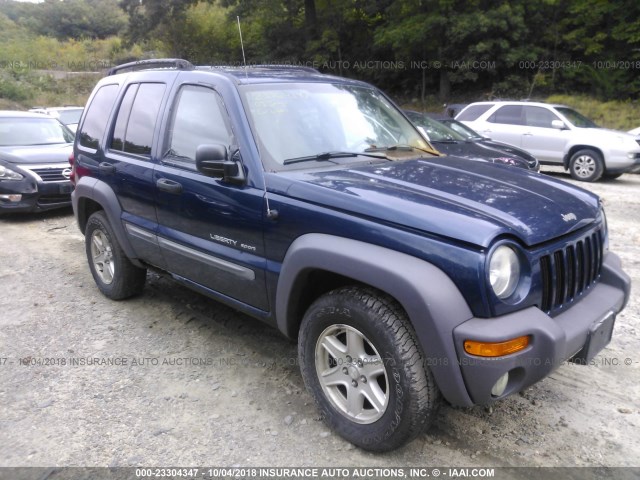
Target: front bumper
pixel 552 340
pixel 621 163
pixel 35 197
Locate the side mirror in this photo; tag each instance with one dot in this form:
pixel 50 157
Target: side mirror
pixel 213 161
pixel 558 124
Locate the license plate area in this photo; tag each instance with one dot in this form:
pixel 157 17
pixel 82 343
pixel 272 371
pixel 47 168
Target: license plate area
pixel 599 337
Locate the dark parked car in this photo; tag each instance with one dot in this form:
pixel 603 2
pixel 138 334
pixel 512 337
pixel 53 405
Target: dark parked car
pixel 34 162
pixel 450 142
pixel 311 203
pixel 471 135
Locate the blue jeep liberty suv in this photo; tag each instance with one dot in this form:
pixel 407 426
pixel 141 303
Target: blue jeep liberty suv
pixel 312 203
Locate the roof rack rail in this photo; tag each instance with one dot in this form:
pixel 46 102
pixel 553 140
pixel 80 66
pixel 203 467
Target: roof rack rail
pixel 176 63
pixel 270 66
pixel 285 65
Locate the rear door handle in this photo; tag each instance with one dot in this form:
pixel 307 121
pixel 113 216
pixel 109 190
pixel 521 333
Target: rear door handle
pixel 169 186
pixel 105 167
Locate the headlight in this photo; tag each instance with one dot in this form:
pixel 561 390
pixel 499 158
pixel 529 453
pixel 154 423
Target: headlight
pixel 7 174
pixel 504 271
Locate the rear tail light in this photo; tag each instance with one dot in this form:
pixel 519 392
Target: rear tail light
pixel 72 162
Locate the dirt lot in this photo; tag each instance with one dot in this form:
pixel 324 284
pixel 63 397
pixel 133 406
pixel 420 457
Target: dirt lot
pixel 200 384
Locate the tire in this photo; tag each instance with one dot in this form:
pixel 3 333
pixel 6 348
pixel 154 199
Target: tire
pixel 379 404
pixel 586 165
pixel 116 277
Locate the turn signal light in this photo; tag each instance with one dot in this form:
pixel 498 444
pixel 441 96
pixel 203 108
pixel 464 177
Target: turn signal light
pixel 486 349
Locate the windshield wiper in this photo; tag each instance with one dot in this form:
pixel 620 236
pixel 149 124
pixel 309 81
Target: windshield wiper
pixel 325 156
pixel 398 148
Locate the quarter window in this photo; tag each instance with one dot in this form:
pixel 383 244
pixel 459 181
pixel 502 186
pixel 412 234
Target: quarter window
pixel 97 116
pixel 199 118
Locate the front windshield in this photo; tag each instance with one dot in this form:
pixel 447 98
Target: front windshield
pixel 298 120
pixel 576 118
pixel 435 130
pixel 467 132
pixel 26 131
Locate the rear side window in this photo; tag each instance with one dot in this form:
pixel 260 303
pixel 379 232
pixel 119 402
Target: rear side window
pixel 97 116
pixel 199 118
pixel 509 114
pixel 133 132
pixel 472 112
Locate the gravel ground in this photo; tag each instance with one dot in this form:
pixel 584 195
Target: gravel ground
pixel 195 383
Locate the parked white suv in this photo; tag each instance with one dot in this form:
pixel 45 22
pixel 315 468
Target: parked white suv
pixel 557 134
pixel 70 116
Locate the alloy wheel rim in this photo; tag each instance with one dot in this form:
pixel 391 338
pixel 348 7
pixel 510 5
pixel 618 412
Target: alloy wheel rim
pixel 102 256
pixel 584 166
pixel 352 374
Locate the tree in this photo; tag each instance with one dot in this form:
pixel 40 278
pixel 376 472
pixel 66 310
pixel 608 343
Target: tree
pixel 162 20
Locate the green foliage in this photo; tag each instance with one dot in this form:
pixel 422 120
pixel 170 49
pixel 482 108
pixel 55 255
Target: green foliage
pixel 67 19
pixel 164 21
pixel 414 48
pixel 44 70
pixel 14 90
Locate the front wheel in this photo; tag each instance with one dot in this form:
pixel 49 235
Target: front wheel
pixel 115 275
pixel 361 362
pixel 586 165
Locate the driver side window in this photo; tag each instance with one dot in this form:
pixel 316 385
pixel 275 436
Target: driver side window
pixel 199 118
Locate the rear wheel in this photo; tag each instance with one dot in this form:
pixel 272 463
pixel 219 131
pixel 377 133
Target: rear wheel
pixel 586 165
pixel 361 361
pixel 113 272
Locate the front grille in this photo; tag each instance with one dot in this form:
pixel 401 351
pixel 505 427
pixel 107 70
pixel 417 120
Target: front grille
pixel 50 174
pixel 568 272
pixel 53 199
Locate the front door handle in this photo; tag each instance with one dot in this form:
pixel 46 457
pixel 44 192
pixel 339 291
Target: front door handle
pixel 105 167
pixel 169 186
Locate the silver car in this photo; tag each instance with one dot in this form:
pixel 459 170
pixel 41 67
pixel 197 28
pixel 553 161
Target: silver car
pixel 557 135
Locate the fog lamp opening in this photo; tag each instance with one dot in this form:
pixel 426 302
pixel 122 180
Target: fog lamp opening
pixel 500 386
pixel 14 197
pixel 499 349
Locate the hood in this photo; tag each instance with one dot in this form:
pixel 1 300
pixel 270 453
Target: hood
pixel 505 147
pixel 36 154
pixel 478 151
pixel 469 201
pixel 612 138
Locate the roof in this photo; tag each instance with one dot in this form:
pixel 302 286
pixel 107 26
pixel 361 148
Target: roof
pixel 239 74
pixel 19 114
pixel 518 102
pixel 55 109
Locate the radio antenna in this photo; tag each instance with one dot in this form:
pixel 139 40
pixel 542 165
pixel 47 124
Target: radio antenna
pixel 244 60
pixel 271 214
